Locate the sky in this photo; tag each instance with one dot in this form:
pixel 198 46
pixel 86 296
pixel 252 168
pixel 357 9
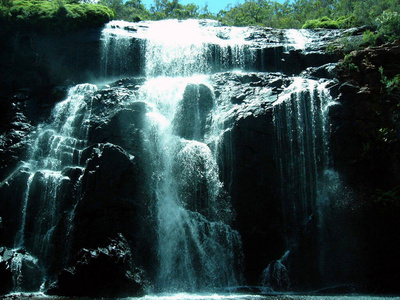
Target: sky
pixel 213 5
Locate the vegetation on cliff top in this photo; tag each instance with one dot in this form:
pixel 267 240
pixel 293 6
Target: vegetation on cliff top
pixel 72 14
pixel 294 14
pixel 378 15
pixel 53 15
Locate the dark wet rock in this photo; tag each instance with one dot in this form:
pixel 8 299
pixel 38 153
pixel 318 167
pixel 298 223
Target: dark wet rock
pixel 6 282
pixel 276 275
pixel 246 160
pixel 108 99
pixel 367 63
pixel 115 118
pixel 365 109
pixel 249 172
pixel 327 71
pixel 28 63
pixel 12 197
pixel 252 91
pixel 131 83
pixel 114 200
pixel 121 127
pixel 190 118
pixel 109 201
pixel 366 152
pixel 296 61
pixel 102 272
pixel 13 140
pixel 20 270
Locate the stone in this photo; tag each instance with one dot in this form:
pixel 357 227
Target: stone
pixel 6 282
pixel 191 116
pixel 19 271
pixel 102 272
pixel 109 197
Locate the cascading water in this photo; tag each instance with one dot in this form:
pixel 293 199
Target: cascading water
pixel 196 250
pixel 300 120
pixel 55 148
pixel 302 130
pixel 179 132
pixel 173 48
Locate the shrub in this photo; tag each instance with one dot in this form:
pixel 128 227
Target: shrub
pixel 391 85
pixel 55 16
pixel 6 3
pixel 346 21
pixel 370 38
pixel 389 25
pixel 348 64
pixel 323 22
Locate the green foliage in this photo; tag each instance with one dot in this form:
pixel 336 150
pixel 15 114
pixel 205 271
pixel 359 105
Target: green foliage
pixel 328 23
pixel 380 14
pixel 348 64
pixel 389 25
pixel 6 3
pixel 56 16
pixel 331 48
pixel 346 21
pixel 391 86
pixel 165 9
pixel 386 135
pixel 324 22
pixel 370 38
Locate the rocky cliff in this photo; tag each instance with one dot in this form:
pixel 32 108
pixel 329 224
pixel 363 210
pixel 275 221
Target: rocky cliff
pixel 106 204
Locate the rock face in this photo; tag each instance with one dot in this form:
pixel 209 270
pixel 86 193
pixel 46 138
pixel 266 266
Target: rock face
pixel 242 182
pixel 366 147
pixel 248 167
pixel 101 272
pixel 196 104
pixel 39 61
pixel 372 117
pixel 100 194
pixel 19 271
pixel 6 274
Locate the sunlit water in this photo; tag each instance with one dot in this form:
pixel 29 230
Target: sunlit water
pixel 174 48
pixel 197 250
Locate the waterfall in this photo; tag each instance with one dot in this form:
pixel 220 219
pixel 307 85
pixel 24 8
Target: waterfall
pixel 196 250
pixel 174 48
pixel 55 148
pixel 302 129
pixel 149 160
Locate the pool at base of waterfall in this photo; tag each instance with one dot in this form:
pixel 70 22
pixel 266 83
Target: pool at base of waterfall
pixel 186 296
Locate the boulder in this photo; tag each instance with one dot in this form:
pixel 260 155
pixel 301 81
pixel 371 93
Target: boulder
pixel 6 282
pixel 276 276
pixel 12 193
pixel 114 199
pixel 109 201
pixel 102 272
pixel 19 271
pixel 191 116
